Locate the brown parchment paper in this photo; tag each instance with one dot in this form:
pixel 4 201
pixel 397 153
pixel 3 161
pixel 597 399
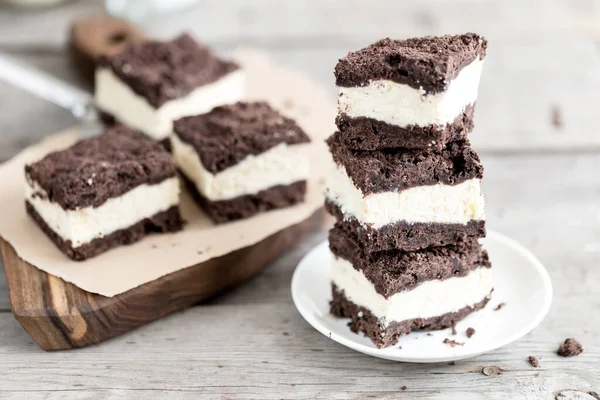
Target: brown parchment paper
pixel 126 267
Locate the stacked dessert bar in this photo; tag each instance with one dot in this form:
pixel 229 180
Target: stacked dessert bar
pixel 405 187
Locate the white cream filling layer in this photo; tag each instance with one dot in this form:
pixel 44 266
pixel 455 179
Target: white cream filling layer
pixel 435 203
pixel 116 98
pixel 429 299
pixel 402 105
pixel 86 224
pixel 281 165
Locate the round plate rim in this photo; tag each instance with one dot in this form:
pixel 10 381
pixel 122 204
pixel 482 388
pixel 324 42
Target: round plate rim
pixel 380 353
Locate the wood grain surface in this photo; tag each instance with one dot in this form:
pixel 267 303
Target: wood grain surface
pixel 541 184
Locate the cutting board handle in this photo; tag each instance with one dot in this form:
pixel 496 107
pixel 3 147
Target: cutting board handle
pixel 96 36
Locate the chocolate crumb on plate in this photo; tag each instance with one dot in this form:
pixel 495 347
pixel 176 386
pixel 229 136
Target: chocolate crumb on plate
pixel 453 343
pixel 470 332
pixel 453 328
pixel 491 371
pixel 570 347
pixel 499 306
pixel 533 361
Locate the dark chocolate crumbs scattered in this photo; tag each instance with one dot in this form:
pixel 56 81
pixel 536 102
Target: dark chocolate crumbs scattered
pixel 570 347
pixel 453 328
pixel 453 343
pixel 556 117
pixel 403 388
pixel 533 361
pixel 470 332
pixel 499 306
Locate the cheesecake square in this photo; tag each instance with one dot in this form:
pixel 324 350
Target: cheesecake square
pixel 242 159
pixel 413 93
pixel 151 84
pixel 391 293
pixel 406 199
pixel 104 192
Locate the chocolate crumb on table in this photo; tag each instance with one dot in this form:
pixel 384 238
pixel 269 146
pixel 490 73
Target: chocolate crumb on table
pixel 470 332
pixel 533 361
pixel 570 347
pixel 403 388
pixel 452 343
pixel 499 306
pixel 556 117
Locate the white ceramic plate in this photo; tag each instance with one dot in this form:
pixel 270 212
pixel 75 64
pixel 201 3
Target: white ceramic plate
pixel 520 281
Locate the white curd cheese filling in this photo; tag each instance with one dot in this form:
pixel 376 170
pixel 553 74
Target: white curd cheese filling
pixel 118 99
pixel 429 299
pixel 83 225
pixel 280 165
pixel 434 203
pixel 401 105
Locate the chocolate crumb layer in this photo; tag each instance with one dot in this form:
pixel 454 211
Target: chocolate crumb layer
pixel 228 134
pixel 394 271
pixel 533 361
pixel 403 235
pixel 166 221
pixel 246 206
pixel 364 133
pixel 396 170
pixel 164 71
pixel 427 63
pixel 470 332
pixel 570 347
pixel 100 168
pixel 363 320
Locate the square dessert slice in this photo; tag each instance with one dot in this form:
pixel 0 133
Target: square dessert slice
pixel 406 199
pixel 242 159
pixel 104 192
pixel 391 293
pixel 413 93
pixel 151 84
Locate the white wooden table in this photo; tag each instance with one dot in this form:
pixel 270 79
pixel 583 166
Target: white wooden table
pixel 542 185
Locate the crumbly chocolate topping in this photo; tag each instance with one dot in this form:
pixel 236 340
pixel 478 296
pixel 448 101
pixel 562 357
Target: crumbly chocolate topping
pixel 394 271
pixel 533 361
pixel 228 134
pixel 397 169
pixel 97 169
pixel 163 71
pixel 428 62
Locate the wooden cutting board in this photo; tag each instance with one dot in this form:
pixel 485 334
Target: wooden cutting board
pixel 58 315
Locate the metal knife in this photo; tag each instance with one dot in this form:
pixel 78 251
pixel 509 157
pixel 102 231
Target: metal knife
pixel 47 87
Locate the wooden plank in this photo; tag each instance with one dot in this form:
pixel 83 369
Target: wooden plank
pixel 268 351
pixel 318 22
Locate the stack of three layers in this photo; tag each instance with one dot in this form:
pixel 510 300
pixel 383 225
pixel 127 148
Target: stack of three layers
pixel 405 187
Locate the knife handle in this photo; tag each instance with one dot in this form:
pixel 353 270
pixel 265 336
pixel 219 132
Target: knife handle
pixel 100 35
